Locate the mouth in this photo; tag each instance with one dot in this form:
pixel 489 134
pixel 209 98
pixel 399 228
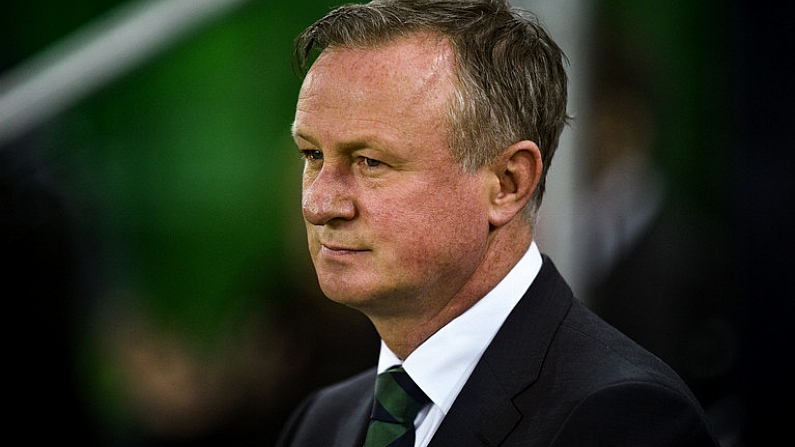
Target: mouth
pixel 340 249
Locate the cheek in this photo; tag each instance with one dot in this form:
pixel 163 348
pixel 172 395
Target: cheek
pixel 428 226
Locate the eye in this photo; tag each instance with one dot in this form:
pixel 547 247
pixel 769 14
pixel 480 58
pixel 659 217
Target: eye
pixel 371 163
pixel 311 154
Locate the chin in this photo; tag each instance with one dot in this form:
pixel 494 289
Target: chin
pixel 343 295
pixel 358 299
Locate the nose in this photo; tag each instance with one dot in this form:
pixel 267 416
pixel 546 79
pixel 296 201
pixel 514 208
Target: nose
pixel 327 196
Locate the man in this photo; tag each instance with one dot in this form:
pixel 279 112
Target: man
pixel 428 128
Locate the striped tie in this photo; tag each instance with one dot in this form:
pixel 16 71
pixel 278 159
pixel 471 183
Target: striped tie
pixel 397 401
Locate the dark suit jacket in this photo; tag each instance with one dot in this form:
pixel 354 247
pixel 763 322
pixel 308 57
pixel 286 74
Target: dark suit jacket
pixel 554 375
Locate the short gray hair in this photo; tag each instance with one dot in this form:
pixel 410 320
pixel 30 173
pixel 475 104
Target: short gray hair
pixel 512 84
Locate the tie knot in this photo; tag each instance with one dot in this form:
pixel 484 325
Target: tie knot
pixel 397 398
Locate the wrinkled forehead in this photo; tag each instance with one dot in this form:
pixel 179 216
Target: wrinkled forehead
pixel 413 69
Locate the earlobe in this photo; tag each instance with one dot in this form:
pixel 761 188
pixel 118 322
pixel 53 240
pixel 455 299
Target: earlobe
pixel 518 171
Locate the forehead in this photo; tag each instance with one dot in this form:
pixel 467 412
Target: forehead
pixel 408 74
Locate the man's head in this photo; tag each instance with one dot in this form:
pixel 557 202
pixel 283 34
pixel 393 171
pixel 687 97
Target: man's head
pixel 510 83
pixel 414 192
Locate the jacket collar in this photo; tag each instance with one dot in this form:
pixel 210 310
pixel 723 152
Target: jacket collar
pixel 510 364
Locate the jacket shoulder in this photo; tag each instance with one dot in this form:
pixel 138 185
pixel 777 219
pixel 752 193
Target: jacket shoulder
pixel 635 413
pixel 609 356
pixel 611 391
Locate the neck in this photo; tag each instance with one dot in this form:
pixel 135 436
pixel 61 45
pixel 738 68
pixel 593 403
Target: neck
pixel 406 331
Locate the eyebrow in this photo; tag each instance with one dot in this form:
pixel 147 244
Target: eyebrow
pixel 302 136
pixel 345 146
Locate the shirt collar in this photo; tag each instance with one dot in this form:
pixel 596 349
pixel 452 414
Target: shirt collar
pixel 444 362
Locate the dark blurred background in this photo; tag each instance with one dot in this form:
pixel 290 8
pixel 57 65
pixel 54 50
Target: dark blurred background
pixel 157 286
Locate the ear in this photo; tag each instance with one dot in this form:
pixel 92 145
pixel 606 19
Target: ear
pixel 518 172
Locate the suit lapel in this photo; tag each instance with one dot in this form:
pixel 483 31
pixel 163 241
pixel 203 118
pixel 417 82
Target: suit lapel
pixel 484 408
pixel 353 430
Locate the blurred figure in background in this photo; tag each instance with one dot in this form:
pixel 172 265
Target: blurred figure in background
pixel 659 268
pixel 43 280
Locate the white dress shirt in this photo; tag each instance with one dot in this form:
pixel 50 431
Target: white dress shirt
pixel 443 363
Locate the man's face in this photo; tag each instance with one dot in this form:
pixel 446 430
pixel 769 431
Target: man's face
pixel 394 224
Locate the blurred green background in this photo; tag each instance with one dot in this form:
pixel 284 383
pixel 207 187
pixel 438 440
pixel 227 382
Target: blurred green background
pixel 183 169
pixel 176 190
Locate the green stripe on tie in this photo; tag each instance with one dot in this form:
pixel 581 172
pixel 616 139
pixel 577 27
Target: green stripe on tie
pixel 398 400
